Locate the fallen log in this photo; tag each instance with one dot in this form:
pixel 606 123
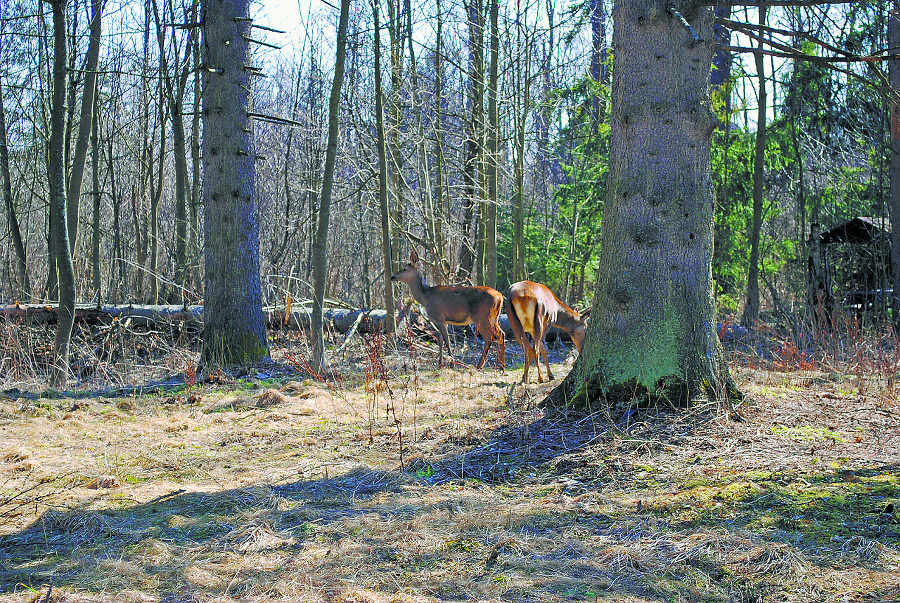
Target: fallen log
pixel 151 316
pixel 340 320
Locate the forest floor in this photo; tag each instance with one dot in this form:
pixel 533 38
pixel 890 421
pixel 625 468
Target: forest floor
pixel 392 481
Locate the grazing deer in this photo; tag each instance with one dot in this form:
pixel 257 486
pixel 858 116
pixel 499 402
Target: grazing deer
pixel 457 306
pixel 532 308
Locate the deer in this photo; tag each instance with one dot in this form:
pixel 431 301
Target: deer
pixel 457 305
pixel 532 308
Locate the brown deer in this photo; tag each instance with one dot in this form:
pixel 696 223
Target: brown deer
pixel 532 308
pixel 445 305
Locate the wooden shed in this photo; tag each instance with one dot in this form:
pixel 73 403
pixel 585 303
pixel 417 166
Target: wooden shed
pixel 850 267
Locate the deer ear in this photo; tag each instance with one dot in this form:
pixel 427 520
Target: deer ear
pixel 586 313
pixel 413 257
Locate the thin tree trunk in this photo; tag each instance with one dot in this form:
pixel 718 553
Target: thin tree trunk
pixel 393 132
pixel 320 245
pixel 894 76
pixel 155 199
pixel 382 180
pixel 95 222
pixel 474 128
pixel 751 309
pixel 442 273
pixel 24 283
pixel 493 201
pixel 175 87
pixel 196 162
pixel 57 180
pixel 79 159
pixel 118 275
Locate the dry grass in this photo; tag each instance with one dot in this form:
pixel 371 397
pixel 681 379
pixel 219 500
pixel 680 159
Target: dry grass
pixel 395 483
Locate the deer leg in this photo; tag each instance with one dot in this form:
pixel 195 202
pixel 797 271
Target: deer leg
pixel 546 360
pixel 488 336
pixel 443 339
pixel 529 355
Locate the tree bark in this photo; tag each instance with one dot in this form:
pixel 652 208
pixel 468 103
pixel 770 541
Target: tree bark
pixel 79 159
pixel 441 210
pixel 493 201
pixel 652 334
pixel 320 244
pixel 751 308
pixel 474 130
pixel 386 251
pixel 57 180
pixel 95 221
pixel 24 283
pixel 894 99
pixel 234 331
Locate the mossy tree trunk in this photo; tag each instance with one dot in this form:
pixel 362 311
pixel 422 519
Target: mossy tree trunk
pixel 652 335
pixel 234 330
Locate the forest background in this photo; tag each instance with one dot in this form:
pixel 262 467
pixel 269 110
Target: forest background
pixel 824 154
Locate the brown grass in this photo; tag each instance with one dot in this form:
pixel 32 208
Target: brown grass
pixel 401 483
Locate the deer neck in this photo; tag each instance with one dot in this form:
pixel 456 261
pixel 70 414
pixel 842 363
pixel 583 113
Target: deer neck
pixel 566 318
pixel 419 288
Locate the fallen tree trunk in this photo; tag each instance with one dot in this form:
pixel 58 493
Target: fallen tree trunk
pixel 150 316
pixel 339 320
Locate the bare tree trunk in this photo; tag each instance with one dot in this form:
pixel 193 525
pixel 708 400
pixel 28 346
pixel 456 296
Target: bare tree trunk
pixel 474 131
pixel 490 239
pixel 442 274
pixel 95 222
pixel 175 86
pixel 894 76
pixel 320 245
pixel 24 283
pixel 521 107
pixel 393 132
pixel 144 164
pixel 599 54
pixel 117 275
pixel 79 159
pixel 155 199
pixel 57 180
pixel 196 162
pixel 234 329
pixel 386 253
pixel 751 309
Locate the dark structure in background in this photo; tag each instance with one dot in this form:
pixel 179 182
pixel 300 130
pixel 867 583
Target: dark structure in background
pixel 850 268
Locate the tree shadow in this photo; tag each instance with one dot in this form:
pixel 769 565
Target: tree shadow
pixel 353 528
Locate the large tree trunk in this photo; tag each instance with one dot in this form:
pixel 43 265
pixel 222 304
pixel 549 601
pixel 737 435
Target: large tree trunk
pixel 57 181
pixel 320 245
pixel 234 331
pixel 652 334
